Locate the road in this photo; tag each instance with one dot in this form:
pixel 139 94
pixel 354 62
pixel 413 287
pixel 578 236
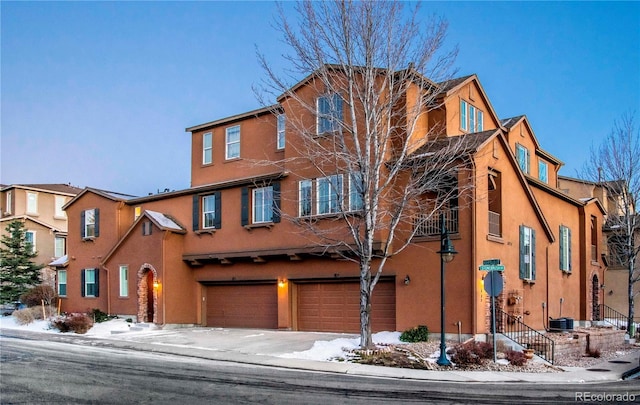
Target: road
pixel 43 371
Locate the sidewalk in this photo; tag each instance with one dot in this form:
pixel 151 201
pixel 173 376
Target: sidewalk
pixel 265 347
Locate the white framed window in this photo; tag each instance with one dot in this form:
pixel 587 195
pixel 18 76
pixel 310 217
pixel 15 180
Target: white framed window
pixel 305 198
pixel 9 202
pixel 281 119
pixel 527 253
pixel 62 283
pixel 89 223
pixel 59 203
pixel 32 202
pixel 90 283
pixel 356 191
pixel 522 155
pixel 543 171
pixel 472 118
pixel 262 205
pixel 328 113
pixel 30 238
pixel 329 194
pixel 60 246
pixel 479 121
pixel 463 115
pixel 124 281
pixel 565 249
pixel 232 150
pixel 209 211
pixel 207 148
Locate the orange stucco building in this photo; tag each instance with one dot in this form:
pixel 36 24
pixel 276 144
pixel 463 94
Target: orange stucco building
pixel 230 251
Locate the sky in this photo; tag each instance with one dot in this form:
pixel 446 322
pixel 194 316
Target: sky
pixel 99 94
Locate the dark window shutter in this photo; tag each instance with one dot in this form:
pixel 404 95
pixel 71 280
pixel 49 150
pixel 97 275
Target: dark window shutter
pixel 196 212
pixel 217 221
pixel 522 253
pixel 244 206
pixel 533 254
pixel 97 278
pixel 97 216
pixel 569 247
pixel 82 283
pixel 82 234
pixel 276 202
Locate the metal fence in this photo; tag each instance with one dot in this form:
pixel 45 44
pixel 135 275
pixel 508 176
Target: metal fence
pixel 617 319
pixel 430 225
pixel 527 337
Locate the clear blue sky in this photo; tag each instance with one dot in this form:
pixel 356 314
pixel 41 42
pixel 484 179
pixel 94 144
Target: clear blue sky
pixel 99 93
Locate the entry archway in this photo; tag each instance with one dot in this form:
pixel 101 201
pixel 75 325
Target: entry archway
pixel 147 294
pixel 595 298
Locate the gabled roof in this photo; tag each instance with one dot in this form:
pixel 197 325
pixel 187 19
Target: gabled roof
pixel 509 123
pixel 110 195
pixel 66 189
pixel 163 221
pixel 33 219
pixel 471 142
pixel 62 261
pixel 233 118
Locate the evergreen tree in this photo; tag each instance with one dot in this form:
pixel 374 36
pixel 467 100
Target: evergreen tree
pixel 17 272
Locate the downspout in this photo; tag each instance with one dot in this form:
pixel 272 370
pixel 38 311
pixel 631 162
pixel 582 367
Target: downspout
pixel 108 289
pixel 164 276
pixel 474 250
pixel 548 302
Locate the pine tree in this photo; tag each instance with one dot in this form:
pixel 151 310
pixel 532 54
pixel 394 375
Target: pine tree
pixel 17 272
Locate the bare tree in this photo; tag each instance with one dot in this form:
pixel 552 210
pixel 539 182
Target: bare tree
pixel 372 72
pixel 615 165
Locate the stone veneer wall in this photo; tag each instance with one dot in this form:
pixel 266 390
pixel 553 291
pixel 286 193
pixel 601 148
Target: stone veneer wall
pixel 582 340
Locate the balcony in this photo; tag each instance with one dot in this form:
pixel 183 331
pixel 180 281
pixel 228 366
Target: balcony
pixel 494 224
pixel 429 225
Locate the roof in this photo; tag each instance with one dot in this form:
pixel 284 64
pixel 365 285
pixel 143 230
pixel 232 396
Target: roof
pixel 447 85
pixel 66 189
pixel 111 195
pixel 471 142
pixel 62 261
pixel 164 222
pixel 233 118
pixel 35 220
pixel 509 123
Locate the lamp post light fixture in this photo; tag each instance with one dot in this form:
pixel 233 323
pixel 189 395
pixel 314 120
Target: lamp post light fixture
pixel 447 253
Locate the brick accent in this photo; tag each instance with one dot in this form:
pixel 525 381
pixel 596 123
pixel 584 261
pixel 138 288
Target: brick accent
pixel 143 294
pixel 583 340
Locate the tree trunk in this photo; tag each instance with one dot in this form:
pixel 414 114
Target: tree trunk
pixel 631 312
pixel 366 341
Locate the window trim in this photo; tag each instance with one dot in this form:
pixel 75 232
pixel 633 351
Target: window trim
pixel 335 195
pixel 356 196
pixel 198 218
pixel 280 131
pixel 329 121
pixel 231 131
pixel 305 201
pixel 463 115
pixel 29 203
pixel 59 283
pixel 205 148
pixel 123 277
pixel 266 204
pixel 208 210
pixel 85 282
pixel 56 247
pixel 86 224
pixel 541 164
pixel 9 202
pixel 565 249
pixel 58 203
pixel 527 268
pixel 521 149
pixel 33 239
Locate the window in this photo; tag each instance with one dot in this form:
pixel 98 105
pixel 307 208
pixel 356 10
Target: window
pixel 62 283
pixel 329 113
pixel 60 246
pixel 90 282
pixel 304 198
pixel 543 171
pixel 32 203
pixel 207 148
pixel 124 281
pixel 463 115
pixel 281 125
pixel 522 155
pixel 59 202
pixel 472 118
pixel 207 211
pixel 527 253
pixel 262 204
pixel 137 211
pixel 495 202
pixel 356 192
pixel 233 142
pixel 147 228
pixel 90 221
pixel 565 249
pixel 594 239
pixel 329 193
pixel 8 208
pixel 479 121
pixel 30 239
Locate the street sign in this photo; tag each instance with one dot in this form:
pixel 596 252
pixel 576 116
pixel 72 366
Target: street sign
pixel 492 267
pixel 493 284
pixel 491 261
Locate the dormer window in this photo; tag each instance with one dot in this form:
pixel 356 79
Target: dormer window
pixel 522 155
pixel 471 118
pixel 543 171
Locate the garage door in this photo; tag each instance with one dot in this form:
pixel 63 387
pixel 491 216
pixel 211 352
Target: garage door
pixel 335 307
pixel 243 306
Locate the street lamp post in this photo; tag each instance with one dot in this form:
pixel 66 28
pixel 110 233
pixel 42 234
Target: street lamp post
pixel 447 253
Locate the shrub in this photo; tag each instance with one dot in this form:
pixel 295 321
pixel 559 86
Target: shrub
pixel 99 316
pixel 78 323
pixel 595 353
pixel 24 316
pixel 471 353
pixel 516 358
pixel 37 294
pixel 418 334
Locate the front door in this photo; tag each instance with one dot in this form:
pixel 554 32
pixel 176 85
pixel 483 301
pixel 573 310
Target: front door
pixel 595 298
pixel 150 295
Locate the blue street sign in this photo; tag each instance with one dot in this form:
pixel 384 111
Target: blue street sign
pixel 492 267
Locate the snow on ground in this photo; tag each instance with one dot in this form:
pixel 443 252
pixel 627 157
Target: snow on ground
pixel 326 350
pixel 103 329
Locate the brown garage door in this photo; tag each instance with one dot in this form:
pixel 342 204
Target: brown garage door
pixel 335 307
pixel 243 306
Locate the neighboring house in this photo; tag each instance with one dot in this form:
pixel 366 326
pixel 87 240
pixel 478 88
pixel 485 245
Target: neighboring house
pixel 227 253
pixel 616 282
pixel 39 206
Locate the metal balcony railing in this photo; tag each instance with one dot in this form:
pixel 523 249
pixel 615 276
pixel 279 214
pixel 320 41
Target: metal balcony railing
pixel 430 226
pixel 511 327
pixel 617 319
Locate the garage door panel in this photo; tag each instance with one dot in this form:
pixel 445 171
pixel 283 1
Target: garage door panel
pixel 335 307
pixel 243 306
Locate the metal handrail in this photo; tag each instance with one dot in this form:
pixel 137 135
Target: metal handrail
pixel 514 329
pixel 615 318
